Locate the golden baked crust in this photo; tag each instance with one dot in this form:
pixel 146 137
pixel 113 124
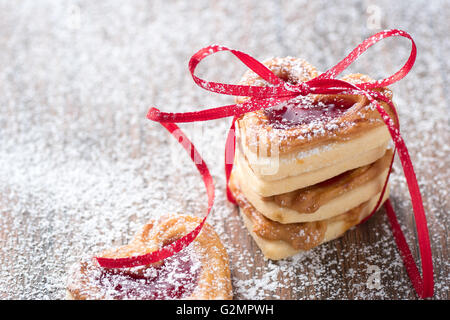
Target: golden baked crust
pixel 282 247
pixel 200 271
pixel 260 134
pixel 301 236
pixel 311 198
pixel 322 200
pixel 269 176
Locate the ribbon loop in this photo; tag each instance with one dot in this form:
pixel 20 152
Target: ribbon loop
pixel 366 44
pixel 232 89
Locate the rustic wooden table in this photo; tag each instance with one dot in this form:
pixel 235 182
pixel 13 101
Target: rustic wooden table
pixel 81 169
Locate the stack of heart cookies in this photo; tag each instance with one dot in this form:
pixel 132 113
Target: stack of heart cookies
pixel 307 170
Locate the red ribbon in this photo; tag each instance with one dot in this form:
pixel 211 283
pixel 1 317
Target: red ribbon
pixel 279 91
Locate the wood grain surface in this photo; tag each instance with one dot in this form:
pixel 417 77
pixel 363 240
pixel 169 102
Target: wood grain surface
pixel 81 169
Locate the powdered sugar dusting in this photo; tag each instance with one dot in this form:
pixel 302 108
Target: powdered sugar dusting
pixel 81 169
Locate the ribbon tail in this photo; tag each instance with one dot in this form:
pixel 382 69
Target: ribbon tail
pixel 424 286
pixel 155 114
pixel 230 149
pixel 235 110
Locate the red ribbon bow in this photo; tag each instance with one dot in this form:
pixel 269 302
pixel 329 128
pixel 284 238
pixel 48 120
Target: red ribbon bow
pixel 279 91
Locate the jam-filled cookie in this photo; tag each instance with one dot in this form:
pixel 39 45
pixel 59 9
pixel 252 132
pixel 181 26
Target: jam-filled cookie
pixel 308 139
pixel 199 271
pixel 308 169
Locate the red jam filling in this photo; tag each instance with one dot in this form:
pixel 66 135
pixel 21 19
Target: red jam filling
pixel 175 278
pixel 284 116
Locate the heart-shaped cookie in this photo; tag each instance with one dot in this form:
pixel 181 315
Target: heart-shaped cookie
pixel 307 170
pixel 308 139
pixel 199 271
